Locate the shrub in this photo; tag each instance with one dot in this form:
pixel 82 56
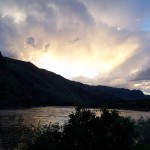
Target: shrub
pixel 143 130
pixel 45 137
pixel 85 130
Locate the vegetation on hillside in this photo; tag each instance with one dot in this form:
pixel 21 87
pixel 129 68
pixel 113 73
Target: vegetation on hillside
pixel 22 84
pixel 140 105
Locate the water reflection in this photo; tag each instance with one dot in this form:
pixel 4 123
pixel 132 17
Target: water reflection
pixel 35 116
pixel 45 115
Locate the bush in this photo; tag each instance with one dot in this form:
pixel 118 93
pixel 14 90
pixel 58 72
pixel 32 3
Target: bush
pixel 46 137
pixel 143 130
pixel 85 130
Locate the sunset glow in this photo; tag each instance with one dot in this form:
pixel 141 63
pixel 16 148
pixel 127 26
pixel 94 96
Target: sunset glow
pixel 102 42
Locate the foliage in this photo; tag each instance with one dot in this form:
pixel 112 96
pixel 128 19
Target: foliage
pixel 46 137
pixel 109 131
pixel 22 84
pixel 85 130
pixel 143 130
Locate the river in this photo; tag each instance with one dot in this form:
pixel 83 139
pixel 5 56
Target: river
pixel 46 115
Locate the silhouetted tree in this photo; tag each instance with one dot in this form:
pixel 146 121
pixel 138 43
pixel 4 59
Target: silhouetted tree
pixel 86 131
pixel 109 131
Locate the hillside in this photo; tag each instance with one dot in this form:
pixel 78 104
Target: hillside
pixel 22 84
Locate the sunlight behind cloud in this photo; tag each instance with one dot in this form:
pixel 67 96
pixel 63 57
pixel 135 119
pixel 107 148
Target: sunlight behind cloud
pixel 99 41
pixel 82 58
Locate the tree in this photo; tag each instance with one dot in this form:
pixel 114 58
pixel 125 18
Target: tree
pixel 87 131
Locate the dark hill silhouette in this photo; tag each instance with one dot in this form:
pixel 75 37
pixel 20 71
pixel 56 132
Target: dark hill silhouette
pixel 23 84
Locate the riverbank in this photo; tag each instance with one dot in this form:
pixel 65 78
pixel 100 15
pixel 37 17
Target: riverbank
pixel 17 134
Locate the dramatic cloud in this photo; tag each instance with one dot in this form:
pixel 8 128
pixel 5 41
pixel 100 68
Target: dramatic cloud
pixel 143 75
pixel 95 42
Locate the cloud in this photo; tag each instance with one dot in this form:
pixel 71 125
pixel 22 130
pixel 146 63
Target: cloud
pixel 125 14
pixel 45 21
pixel 114 49
pixel 74 40
pixel 143 75
pixel 47 45
pixel 30 41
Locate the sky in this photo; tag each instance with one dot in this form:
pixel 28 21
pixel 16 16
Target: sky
pixel 97 42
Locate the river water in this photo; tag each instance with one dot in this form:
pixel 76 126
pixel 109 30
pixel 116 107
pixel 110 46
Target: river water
pixel 46 115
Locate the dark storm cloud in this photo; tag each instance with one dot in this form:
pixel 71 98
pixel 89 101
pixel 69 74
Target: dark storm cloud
pixel 143 75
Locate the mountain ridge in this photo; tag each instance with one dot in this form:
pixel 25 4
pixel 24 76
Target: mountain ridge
pixel 22 84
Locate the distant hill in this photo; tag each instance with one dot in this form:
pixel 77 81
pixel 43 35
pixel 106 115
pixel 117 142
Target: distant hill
pixel 22 84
